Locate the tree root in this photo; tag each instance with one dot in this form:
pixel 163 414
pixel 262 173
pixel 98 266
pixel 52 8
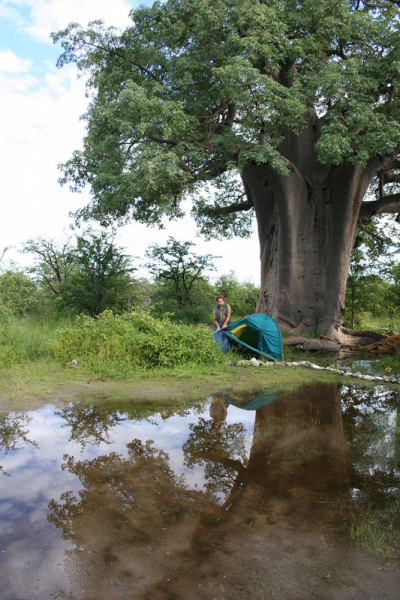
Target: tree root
pixel 350 340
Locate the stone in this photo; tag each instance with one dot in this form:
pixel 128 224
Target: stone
pixel 305 363
pixel 243 362
pixel 74 364
pixel 254 362
pixel 358 374
pixel 316 367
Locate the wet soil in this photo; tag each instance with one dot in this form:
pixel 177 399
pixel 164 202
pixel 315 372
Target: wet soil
pixel 18 392
pixel 286 494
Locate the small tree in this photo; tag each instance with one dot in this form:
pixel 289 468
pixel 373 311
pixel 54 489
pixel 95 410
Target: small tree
pixel 178 270
pixel 54 262
pixel 90 277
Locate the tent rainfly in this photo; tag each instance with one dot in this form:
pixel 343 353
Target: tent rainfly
pixel 258 333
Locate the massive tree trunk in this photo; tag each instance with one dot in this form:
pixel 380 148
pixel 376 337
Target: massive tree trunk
pixel 307 222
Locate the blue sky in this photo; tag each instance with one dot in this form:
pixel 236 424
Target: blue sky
pixel 40 108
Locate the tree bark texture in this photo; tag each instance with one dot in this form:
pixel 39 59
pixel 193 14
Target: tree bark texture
pixel 307 223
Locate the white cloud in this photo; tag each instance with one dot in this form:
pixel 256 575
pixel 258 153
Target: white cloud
pixel 41 17
pixel 40 128
pixel 10 63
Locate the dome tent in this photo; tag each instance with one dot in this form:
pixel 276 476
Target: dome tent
pixel 258 333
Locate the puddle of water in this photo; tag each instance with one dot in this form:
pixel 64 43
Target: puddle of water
pixel 106 503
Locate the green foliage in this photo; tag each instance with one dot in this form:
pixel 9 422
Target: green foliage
pixel 195 90
pixel 90 276
pixel 26 340
pixel 54 262
pixel 197 310
pixel 180 286
pixel 100 278
pixel 372 284
pixel 117 344
pixel 242 296
pixel 16 293
pixel 365 295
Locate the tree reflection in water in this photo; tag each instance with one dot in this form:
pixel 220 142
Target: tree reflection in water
pixel 134 512
pixel 90 425
pixel 12 432
pixel 221 451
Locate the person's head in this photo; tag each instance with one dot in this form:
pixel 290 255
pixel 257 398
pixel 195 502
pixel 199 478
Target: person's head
pixel 216 424
pixel 220 301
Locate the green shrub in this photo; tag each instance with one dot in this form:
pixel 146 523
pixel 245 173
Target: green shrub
pixel 114 344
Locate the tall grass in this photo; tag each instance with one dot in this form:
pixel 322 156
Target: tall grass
pixel 27 339
pixel 114 345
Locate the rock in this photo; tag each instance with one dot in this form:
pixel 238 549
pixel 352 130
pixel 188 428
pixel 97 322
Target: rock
pixel 348 374
pixel 316 367
pixel 331 369
pixel 340 372
pixel 358 374
pixel 305 363
pixel 74 364
pixel 243 362
pixel 392 379
pixel 369 377
pixel 295 364
pixel 376 378
pixel 268 364
pixel 253 361
pixel 281 364
pixel 231 363
pixel 386 378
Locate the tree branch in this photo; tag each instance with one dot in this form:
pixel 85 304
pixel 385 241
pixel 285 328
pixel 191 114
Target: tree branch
pixel 228 210
pixel 387 204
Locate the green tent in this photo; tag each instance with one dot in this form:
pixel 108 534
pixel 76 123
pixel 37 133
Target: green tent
pixel 253 403
pixel 258 333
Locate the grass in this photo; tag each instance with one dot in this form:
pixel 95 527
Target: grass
pixel 133 352
pixel 370 526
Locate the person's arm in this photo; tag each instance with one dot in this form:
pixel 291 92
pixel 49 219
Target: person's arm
pixel 228 316
pixel 215 320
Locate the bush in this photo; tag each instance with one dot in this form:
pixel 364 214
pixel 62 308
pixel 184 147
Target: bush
pixel 115 344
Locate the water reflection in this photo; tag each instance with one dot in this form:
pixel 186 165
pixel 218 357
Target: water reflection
pixel 144 499
pixel 12 433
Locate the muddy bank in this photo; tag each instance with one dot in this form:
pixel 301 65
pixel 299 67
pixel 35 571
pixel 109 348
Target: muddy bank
pixel 21 394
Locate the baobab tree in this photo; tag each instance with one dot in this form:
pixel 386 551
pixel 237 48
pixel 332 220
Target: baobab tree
pixel 287 109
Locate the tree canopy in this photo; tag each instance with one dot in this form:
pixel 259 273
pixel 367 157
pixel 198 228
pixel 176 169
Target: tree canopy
pixel 194 90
